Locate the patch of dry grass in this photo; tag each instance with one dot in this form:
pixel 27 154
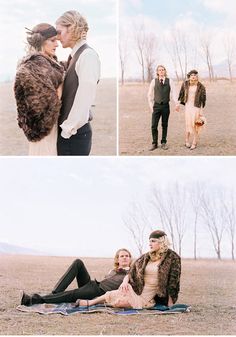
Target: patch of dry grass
pixel 208 285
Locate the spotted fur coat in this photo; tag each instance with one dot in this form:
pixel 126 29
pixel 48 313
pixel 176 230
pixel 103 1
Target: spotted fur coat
pixel 38 105
pixel 200 96
pixel 168 276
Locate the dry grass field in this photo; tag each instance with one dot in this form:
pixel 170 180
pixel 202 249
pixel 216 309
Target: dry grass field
pixel 218 138
pixel 209 286
pixel 13 141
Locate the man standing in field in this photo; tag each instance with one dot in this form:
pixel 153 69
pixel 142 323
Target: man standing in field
pixel 79 87
pixel 160 90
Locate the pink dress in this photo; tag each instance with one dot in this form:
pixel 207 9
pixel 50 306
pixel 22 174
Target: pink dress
pixel 192 112
pixel 120 299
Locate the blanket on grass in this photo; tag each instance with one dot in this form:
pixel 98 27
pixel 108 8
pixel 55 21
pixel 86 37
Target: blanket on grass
pixel 68 308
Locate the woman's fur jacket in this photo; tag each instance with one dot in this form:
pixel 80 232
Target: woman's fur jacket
pixel 168 275
pixel 38 105
pixel 200 96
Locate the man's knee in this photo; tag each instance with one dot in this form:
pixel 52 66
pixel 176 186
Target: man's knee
pixel 78 262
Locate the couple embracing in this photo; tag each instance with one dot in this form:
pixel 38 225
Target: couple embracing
pixel 192 95
pixel 54 98
pixel 154 278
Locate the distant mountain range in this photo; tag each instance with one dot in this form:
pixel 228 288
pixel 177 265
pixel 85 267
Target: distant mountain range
pixel 6 248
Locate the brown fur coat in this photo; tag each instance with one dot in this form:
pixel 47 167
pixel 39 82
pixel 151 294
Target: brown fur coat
pixel 38 105
pixel 200 96
pixel 168 276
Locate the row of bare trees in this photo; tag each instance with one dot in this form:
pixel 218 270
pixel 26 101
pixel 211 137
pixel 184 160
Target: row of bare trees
pixel 184 49
pixel 182 209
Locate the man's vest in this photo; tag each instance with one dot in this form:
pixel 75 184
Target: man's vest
pixel 162 91
pixel 70 86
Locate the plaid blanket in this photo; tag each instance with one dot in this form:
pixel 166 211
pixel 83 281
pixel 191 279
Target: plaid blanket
pixel 68 309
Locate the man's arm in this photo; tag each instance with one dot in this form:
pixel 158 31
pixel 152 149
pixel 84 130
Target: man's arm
pixel 88 71
pixel 150 95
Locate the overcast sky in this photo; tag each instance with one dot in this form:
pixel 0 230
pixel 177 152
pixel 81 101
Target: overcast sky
pixel 76 206
pixel 217 18
pixel 15 15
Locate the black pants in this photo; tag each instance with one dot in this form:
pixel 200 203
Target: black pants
pixel 87 289
pixel 77 145
pixel 160 111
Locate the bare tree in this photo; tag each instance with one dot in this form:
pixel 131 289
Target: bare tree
pixel 229 44
pixel 163 207
pixel 139 39
pixel 229 207
pixel 214 216
pixel 178 200
pixel 196 199
pixel 123 53
pixel 206 41
pixel 136 221
pixel 150 49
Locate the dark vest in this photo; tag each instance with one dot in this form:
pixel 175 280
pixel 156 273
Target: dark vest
pixel 113 281
pixel 70 86
pixel 162 92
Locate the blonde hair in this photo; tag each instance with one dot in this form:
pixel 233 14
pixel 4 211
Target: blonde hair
pixel 161 66
pixel 163 247
pixel 116 263
pixel 75 22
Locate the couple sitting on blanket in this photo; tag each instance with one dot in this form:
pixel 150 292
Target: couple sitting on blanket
pixel 152 279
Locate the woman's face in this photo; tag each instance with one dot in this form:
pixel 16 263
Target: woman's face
pixel 193 78
pixel 49 46
pixel 154 244
pixel 124 259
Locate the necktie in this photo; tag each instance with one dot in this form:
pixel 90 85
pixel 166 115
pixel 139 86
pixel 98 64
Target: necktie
pixel 68 61
pixel 161 81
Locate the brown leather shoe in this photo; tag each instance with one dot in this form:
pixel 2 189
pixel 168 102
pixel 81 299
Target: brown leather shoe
pixel 154 147
pixel 164 146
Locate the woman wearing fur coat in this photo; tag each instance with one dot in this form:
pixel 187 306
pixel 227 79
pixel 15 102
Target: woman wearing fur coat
pixel 38 87
pixel 154 278
pixel 193 96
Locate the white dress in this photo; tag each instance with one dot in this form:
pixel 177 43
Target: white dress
pixel 46 146
pixel 191 112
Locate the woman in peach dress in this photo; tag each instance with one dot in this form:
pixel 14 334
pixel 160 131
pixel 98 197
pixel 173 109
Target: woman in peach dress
pixel 193 96
pixel 153 278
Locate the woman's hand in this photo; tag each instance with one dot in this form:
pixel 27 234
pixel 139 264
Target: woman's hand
pixel 59 91
pixel 125 284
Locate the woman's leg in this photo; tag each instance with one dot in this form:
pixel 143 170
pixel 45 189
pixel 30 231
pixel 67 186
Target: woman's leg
pixel 89 303
pixel 195 140
pixel 76 270
pixel 187 139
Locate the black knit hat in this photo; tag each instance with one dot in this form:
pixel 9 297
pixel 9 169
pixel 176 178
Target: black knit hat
pixel 157 234
pixel 195 72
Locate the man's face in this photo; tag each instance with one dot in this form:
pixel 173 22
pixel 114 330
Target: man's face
pixel 124 259
pixel 161 72
pixel 64 36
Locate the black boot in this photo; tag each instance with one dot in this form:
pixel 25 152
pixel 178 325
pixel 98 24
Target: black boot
pixel 26 299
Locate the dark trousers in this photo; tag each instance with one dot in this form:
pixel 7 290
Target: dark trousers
pixel 87 289
pixel 77 145
pixel 160 111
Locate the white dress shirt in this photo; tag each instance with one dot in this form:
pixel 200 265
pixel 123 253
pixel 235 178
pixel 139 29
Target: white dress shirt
pixel 150 96
pixel 87 69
